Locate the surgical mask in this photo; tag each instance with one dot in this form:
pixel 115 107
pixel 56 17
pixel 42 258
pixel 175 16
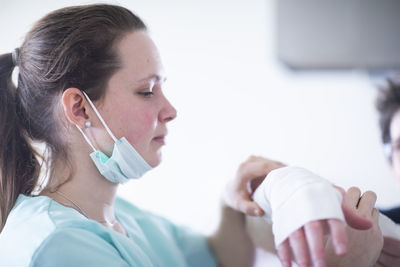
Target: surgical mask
pixel 125 162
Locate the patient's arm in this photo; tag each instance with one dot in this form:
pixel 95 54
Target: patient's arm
pixel 363 245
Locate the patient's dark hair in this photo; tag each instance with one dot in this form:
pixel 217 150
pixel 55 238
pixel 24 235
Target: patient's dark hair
pixel 70 47
pixel 387 104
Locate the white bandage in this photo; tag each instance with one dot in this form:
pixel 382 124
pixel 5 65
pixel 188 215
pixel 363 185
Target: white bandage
pixel 293 196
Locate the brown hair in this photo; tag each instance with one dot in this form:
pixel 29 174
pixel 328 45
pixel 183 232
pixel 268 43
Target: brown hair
pixel 387 104
pixel 70 47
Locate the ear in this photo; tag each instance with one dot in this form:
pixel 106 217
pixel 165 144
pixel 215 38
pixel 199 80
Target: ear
pixel 74 105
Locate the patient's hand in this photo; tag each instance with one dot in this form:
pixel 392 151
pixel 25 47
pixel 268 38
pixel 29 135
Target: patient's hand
pixel 364 246
pixel 390 254
pixel 360 215
pixel 308 240
pixel 307 244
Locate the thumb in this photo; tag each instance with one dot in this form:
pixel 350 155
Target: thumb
pixel 353 220
pixel 249 207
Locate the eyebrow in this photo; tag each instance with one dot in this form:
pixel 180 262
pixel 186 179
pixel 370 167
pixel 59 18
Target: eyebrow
pixel 155 77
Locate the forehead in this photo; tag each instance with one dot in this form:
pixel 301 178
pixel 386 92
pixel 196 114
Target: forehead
pixel 395 126
pixel 139 57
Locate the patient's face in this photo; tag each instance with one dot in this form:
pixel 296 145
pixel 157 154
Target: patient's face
pixel 395 137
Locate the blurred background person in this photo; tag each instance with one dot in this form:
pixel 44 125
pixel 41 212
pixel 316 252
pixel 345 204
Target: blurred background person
pixel 388 106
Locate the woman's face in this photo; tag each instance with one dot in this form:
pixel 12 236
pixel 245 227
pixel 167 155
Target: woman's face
pixel 134 105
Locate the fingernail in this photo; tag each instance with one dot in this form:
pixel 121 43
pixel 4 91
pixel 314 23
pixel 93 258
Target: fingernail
pixel 286 264
pixel 256 212
pixel 340 249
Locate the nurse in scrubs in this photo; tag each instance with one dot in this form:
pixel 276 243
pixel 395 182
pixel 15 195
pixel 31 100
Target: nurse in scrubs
pixel 90 90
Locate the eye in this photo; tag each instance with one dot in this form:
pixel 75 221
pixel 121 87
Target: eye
pixel 146 94
pixel 147 91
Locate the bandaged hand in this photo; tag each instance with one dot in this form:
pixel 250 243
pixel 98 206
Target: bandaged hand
pixel 307 242
pixel 302 208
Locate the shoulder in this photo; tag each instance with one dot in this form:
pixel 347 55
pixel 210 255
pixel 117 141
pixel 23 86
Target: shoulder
pixel 26 226
pixel 39 227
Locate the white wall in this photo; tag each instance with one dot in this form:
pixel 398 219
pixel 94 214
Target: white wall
pixel 233 100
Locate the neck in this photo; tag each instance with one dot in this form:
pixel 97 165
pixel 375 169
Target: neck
pixel 85 187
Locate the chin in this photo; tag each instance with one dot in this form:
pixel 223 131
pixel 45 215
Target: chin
pixel 154 161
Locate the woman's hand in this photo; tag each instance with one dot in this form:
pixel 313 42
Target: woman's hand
pixel 249 176
pixel 364 246
pixel 390 254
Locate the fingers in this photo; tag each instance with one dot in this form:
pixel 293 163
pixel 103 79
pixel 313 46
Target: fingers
pixel 308 243
pixel 337 228
pixel 249 207
pixel 284 254
pixel 258 158
pixel 350 210
pixel 250 175
pixel 298 243
pixel 255 167
pixel 353 196
pixel 315 237
pixel 254 184
pixel 367 203
pixel 354 220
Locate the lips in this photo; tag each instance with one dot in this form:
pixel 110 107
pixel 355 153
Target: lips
pixel 160 139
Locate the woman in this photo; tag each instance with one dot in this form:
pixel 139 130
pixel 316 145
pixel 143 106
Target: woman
pixel 90 88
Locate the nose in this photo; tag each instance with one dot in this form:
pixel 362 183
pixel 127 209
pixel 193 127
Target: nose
pixel 168 112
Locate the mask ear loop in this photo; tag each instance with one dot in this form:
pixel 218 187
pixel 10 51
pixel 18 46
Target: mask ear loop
pixel 86 138
pixel 101 119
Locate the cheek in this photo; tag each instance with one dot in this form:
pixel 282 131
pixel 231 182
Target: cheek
pixel 139 128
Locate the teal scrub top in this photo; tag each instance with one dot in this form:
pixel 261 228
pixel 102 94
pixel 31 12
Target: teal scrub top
pixel 40 232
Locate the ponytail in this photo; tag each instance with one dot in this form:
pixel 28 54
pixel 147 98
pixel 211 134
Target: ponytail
pixel 19 168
